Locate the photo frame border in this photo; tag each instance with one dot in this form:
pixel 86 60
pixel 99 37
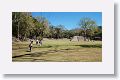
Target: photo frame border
pixel 104 67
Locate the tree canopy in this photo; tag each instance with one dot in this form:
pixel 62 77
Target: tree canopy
pixel 25 26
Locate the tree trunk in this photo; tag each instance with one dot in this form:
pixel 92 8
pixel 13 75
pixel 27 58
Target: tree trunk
pixel 18 30
pixel 85 35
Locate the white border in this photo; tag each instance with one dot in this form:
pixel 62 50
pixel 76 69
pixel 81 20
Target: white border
pixel 104 67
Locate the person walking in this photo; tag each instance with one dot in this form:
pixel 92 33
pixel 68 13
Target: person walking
pixel 30 45
pixel 40 42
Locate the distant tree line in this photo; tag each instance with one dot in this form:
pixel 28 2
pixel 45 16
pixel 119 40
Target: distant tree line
pixel 25 26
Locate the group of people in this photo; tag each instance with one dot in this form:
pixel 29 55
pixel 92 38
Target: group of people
pixel 38 42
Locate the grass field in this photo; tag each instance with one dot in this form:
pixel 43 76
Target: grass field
pixel 62 50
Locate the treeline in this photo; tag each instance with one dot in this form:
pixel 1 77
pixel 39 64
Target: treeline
pixel 25 26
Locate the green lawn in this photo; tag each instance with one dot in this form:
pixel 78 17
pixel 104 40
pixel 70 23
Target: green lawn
pixel 62 50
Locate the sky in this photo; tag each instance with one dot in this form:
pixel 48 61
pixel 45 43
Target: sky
pixel 69 19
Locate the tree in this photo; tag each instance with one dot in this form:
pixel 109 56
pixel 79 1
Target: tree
pixel 15 24
pixel 51 31
pixel 25 26
pixel 88 26
pixel 98 33
pixel 22 23
pixel 42 26
pixel 58 31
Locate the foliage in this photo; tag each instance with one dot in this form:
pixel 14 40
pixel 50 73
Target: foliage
pixel 25 26
pixel 89 27
pixel 22 24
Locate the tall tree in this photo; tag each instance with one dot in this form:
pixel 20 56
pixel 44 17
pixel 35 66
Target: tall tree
pixel 88 25
pixel 22 24
pixel 58 31
pixel 42 26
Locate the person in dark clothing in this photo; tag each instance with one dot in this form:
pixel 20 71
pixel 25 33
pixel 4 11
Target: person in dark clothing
pixel 30 45
pixel 40 42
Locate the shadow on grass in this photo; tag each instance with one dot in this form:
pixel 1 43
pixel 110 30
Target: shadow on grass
pixel 90 46
pixel 86 46
pixel 35 54
pixel 38 54
pixel 49 46
pixel 28 51
pixel 43 60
